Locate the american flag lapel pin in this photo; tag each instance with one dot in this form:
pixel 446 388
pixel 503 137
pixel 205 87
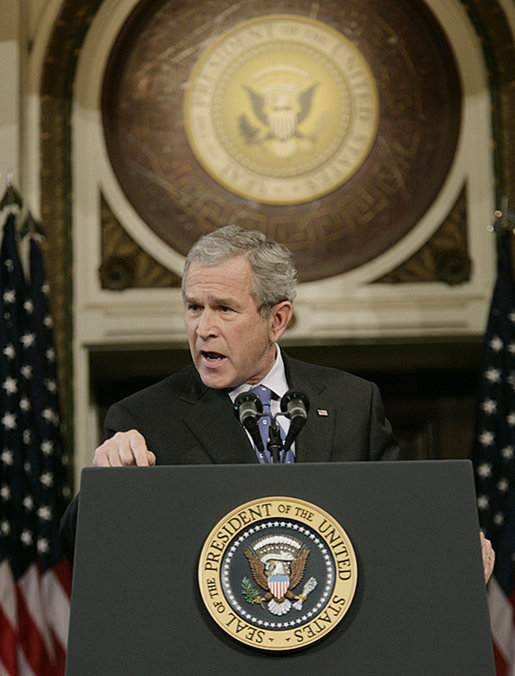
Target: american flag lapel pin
pixel 322 412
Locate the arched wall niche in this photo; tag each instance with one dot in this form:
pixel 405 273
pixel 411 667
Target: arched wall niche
pixel 402 294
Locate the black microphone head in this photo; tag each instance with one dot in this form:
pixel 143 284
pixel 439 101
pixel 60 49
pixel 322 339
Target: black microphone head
pixel 247 408
pixel 295 404
pixel 247 403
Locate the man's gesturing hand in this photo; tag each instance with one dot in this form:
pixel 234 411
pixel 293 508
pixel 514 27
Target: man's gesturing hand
pixel 124 448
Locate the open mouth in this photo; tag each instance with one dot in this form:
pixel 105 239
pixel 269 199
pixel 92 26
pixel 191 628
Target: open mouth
pixel 212 356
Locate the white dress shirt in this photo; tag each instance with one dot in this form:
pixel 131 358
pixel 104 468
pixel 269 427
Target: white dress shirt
pixel 276 381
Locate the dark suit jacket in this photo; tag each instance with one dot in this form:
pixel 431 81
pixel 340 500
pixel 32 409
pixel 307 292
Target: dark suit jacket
pixel 186 423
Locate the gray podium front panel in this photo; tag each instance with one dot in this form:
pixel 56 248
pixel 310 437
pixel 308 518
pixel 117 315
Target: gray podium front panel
pixel 420 604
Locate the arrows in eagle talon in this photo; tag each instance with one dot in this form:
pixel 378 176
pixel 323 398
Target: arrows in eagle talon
pixel 308 588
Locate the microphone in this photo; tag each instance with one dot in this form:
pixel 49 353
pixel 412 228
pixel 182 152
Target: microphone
pixel 295 405
pixel 247 409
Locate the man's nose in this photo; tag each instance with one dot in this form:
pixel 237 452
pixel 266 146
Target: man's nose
pixel 207 324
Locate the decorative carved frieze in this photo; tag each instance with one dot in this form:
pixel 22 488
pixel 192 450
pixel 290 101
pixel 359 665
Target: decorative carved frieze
pixel 124 264
pixel 443 258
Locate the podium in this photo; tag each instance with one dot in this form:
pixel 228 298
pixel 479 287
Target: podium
pixel 419 605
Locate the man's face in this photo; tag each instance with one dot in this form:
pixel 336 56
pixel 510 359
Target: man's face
pixel 230 341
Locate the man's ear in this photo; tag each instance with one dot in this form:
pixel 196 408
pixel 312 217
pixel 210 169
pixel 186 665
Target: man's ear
pixel 281 315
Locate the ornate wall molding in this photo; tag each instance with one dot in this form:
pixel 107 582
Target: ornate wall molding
pixel 124 264
pixel 497 42
pixel 443 258
pixel 56 97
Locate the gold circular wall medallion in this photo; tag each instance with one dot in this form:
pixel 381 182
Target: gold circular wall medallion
pixel 281 109
pixel 330 129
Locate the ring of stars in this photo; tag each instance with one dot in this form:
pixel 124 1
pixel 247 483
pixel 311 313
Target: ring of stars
pixel 324 591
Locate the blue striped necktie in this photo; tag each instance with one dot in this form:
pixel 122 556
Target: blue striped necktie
pixel 265 395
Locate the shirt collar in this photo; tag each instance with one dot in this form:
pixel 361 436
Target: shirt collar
pixel 275 379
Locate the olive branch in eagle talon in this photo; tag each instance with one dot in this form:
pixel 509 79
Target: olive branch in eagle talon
pixel 249 592
pixel 249 133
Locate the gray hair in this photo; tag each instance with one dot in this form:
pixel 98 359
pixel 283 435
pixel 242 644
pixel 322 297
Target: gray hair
pixel 275 276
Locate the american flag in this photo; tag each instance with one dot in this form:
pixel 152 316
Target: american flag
pixel 493 455
pixel 34 578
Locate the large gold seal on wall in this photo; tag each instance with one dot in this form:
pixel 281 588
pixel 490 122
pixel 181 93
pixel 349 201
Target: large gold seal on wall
pixel 281 109
pixel 331 126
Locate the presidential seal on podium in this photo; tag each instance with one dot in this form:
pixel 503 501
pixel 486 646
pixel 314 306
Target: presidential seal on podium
pixel 277 573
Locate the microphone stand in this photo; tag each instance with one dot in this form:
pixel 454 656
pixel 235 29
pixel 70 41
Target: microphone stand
pixel 275 443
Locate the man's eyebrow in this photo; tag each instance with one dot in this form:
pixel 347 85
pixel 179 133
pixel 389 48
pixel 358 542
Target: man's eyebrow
pixel 213 300
pixel 228 302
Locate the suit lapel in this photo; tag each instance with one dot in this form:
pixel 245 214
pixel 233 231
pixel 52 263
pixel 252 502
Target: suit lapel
pixel 315 440
pixel 212 422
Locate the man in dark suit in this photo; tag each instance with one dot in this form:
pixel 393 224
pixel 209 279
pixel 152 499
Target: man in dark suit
pixel 238 290
pixel 185 422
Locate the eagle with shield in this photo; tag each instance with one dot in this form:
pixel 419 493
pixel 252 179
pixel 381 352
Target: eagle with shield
pixel 277 563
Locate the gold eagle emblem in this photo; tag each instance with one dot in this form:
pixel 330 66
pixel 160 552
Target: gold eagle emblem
pixel 277 563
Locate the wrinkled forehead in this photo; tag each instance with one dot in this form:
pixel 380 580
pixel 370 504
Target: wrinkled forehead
pixel 231 277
